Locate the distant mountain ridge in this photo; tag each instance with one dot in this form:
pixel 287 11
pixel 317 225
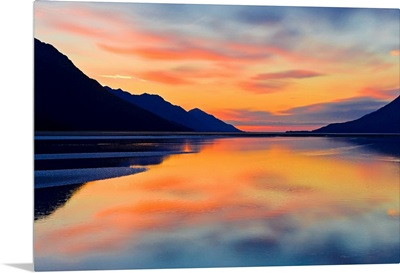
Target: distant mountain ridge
pixel 212 123
pixel 383 120
pixel 65 99
pixel 195 119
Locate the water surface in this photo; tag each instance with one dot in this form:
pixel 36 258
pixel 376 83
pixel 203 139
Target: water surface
pixel 221 202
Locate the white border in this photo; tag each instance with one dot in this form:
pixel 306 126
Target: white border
pixel 16 143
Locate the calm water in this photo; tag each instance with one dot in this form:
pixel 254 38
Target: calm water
pixel 217 202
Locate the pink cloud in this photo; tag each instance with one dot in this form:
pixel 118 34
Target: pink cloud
pixel 105 25
pixel 380 93
pixel 262 87
pixel 92 14
pixel 123 35
pixel 289 74
pixel 79 29
pixel 96 23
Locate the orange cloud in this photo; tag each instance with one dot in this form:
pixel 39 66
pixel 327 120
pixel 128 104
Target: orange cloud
pixel 185 53
pixel 205 72
pixel 395 52
pixel 168 54
pixel 163 77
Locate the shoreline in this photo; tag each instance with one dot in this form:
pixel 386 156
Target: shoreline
pixel 44 135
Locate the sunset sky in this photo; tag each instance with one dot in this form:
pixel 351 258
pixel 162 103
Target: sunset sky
pixel 259 68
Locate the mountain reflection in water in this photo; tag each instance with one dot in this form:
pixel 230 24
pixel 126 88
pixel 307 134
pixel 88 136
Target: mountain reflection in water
pixel 235 202
pixel 64 164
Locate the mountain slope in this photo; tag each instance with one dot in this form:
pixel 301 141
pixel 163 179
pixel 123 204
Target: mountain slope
pixel 212 123
pixel 174 113
pixel 384 120
pixel 67 100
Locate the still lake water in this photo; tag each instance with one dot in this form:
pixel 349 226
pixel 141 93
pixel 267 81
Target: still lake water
pixel 217 202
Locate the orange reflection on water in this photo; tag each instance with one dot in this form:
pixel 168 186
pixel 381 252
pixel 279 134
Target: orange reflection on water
pixel 231 181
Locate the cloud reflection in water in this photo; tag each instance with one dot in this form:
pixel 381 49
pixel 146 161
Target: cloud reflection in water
pixel 238 202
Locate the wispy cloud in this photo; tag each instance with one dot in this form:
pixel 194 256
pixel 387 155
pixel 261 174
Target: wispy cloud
pixel 289 74
pixel 258 87
pixel 164 77
pixel 123 77
pixel 265 83
pixel 185 52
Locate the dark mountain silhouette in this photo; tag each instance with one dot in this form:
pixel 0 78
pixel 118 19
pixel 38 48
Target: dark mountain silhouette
pixel 67 100
pixel 384 120
pixel 212 123
pixel 174 113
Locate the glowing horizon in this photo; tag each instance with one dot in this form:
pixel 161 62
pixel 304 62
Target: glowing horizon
pixel 259 68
